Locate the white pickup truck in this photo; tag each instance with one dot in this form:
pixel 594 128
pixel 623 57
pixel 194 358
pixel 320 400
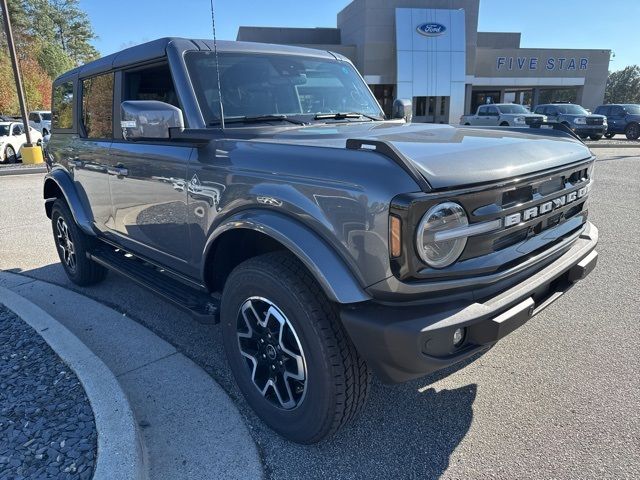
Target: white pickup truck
pixel 41 121
pixel 502 115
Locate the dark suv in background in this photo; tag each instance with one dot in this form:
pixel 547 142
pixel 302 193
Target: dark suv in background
pixel 575 117
pixel 622 118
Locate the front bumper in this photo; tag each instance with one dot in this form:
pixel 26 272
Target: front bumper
pixel 590 129
pixel 403 343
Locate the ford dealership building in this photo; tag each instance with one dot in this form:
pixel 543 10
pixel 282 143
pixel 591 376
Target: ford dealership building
pixel 431 52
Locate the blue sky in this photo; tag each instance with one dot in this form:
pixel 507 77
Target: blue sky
pixel 544 23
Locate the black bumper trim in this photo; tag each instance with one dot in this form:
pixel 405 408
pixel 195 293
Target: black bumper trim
pixel 403 343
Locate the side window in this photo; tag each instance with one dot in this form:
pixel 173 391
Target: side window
pixel 482 111
pixel 617 111
pixel 62 112
pixel 153 83
pixel 493 111
pixel 551 110
pixel 539 110
pixel 17 129
pixel 34 117
pixel 602 110
pixel 97 106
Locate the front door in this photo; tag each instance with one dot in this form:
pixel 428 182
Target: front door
pixel 148 179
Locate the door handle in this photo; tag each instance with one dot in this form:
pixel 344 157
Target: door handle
pixel 118 171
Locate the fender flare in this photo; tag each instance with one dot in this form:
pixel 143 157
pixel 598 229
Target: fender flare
pixel 65 184
pixel 329 269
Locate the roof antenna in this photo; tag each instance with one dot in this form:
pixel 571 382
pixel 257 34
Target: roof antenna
pixel 215 53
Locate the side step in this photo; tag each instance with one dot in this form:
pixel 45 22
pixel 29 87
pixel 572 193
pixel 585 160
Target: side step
pixel 200 304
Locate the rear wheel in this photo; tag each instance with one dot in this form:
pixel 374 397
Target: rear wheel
pixel 288 350
pixel 9 155
pixel 632 131
pixel 595 137
pixel 504 124
pixel 73 245
pixel 609 135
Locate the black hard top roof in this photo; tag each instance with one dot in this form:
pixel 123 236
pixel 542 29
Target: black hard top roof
pixel 158 49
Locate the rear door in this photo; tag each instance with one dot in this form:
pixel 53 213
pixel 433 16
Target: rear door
pixel 89 150
pixel 482 116
pixel 493 116
pixel 148 178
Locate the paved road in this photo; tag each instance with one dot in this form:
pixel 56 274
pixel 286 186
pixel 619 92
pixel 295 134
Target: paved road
pixel 557 399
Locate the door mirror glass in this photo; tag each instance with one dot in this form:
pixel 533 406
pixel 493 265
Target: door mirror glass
pixel 402 108
pixel 148 119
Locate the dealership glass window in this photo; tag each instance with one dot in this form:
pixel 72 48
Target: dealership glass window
pixel 555 95
pixel 384 93
pixel 62 110
pixel 97 106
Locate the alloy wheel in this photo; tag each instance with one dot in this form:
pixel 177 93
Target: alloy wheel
pixel 65 244
pixel 273 353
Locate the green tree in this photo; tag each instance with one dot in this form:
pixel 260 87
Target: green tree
pixel 64 24
pixel 623 86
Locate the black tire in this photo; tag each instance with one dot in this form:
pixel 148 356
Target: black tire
pixel 336 379
pixel 468 124
pixel 504 124
pixel 632 131
pixel 9 155
pixel 609 135
pixel 595 137
pixel 583 136
pixel 73 246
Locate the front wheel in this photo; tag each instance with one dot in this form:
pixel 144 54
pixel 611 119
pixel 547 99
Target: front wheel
pixel 504 124
pixel 288 350
pixel 595 137
pixel 633 131
pixel 9 155
pixel 73 245
pixel 609 135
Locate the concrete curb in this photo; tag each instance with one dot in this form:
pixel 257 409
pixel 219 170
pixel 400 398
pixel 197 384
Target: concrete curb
pixel 22 171
pixel 120 452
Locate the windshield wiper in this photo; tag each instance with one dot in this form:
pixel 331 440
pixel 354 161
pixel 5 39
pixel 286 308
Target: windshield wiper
pixel 257 119
pixel 344 116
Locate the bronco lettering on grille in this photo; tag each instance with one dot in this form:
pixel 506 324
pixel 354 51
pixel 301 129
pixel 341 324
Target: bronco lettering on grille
pixel 543 208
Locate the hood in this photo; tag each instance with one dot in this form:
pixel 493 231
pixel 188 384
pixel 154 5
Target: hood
pixel 449 156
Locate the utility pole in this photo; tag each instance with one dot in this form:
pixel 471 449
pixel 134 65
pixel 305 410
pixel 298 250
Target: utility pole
pixel 16 70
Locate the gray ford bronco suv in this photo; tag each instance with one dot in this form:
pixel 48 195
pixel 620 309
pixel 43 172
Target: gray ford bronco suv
pixel 262 187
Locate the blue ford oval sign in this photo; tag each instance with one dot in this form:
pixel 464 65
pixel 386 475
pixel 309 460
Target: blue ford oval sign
pixel 431 29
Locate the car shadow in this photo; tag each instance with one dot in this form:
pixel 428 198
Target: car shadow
pixel 405 431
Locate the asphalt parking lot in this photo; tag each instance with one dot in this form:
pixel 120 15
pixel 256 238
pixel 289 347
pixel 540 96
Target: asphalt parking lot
pixel 559 398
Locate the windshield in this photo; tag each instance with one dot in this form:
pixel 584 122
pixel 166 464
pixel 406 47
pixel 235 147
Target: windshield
pixel 4 130
pixel 572 109
pixel 46 116
pixel 255 85
pixel 513 109
pixel 632 109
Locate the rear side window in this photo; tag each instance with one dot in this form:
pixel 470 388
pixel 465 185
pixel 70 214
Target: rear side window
pixel 97 106
pixel 62 112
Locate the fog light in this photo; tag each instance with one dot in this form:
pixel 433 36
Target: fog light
pixel 458 337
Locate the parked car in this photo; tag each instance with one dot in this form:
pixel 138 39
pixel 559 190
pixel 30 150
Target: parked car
pixel 41 121
pixel 13 138
pixel 622 118
pixel 576 118
pixel 503 115
pixel 330 243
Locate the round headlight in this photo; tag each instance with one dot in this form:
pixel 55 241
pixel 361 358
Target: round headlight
pixel 439 218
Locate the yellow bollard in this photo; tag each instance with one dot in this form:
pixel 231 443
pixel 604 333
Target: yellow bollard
pixel 32 155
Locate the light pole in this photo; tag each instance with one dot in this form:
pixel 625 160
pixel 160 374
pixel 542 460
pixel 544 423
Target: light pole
pixel 16 70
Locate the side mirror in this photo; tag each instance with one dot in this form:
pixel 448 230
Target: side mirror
pixel 402 108
pixel 148 119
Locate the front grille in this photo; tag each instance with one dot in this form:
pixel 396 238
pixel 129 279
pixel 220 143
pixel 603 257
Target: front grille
pixel 594 121
pixel 532 120
pixel 557 196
